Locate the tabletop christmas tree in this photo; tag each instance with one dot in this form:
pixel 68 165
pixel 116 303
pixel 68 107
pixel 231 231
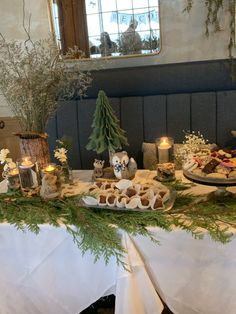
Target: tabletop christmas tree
pixel 106 134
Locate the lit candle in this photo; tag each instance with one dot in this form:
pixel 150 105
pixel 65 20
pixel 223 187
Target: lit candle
pixel 28 176
pixel 13 172
pixel 163 150
pixel 50 168
pixel 26 162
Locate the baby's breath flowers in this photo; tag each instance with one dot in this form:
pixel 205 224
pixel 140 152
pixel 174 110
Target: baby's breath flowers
pixel 193 143
pixel 34 75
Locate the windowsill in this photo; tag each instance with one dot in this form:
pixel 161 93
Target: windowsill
pixel 115 62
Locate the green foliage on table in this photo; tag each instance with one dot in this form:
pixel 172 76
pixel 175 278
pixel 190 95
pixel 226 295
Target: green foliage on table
pixel 95 230
pixel 106 134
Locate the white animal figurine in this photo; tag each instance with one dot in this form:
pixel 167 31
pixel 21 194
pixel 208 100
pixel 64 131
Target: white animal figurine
pixel 123 166
pixel 98 169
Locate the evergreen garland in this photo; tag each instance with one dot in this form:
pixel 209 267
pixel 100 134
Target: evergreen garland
pixel 95 230
pixel 106 134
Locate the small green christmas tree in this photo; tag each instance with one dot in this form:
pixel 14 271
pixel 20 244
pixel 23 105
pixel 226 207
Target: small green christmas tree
pixel 106 134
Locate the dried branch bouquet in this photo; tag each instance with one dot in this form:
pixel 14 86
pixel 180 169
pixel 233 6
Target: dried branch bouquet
pixel 33 76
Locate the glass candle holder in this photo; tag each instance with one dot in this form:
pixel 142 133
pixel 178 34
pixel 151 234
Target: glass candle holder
pixel 12 177
pixel 50 182
pixel 66 174
pixel 165 150
pixel 166 172
pixel 29 175
pixel 50 168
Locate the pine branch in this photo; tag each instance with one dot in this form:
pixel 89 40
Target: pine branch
pixel 95 230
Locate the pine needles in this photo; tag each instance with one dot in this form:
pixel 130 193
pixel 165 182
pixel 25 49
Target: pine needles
pixel 95 230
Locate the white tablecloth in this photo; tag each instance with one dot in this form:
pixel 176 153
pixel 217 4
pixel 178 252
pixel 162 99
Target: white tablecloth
pixel 46 274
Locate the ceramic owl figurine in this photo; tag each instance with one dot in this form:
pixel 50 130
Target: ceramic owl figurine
pixel 123 166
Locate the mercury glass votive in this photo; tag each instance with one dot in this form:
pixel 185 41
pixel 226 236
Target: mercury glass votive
pixel 50 182
pixel 165 149
pixel 12 177
pixel 29 175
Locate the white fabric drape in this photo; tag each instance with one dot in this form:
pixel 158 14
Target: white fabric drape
pixel 47 274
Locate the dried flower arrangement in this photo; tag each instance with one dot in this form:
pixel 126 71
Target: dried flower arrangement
pixel 60 153
pixel 193 143
pixel 33 75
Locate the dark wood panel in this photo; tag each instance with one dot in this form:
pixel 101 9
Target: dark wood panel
pixel 187 77
pixel 154 111
pixel 178 116
pixel 203 115
pixel 86 109
pixel 67 125
pixel 226 117
pixel 132 123
pixel 51 129
pixel 144 119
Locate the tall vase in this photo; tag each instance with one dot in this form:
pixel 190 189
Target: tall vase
pixel 35 145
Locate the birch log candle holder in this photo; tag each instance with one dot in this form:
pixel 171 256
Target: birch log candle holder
pixel 29 175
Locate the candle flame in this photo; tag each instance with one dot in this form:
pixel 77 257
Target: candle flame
pixel 14 172
pixel 164 142
pixel 26 161
pixel 50 168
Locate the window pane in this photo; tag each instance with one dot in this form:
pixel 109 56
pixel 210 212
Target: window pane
pixel 124 18
pixel 119 27
pixel 124 4
pixel 140 3
pixel 142 16
pixel 151 40
pixel 91 6
pixel 108 5
pixel 154 18
pixel 94 42
pixel 93 25
pixel 124 27
pixel 110 22
pixel 115 39
pixel 153 3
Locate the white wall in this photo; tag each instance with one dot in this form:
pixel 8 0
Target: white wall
pixel 183 38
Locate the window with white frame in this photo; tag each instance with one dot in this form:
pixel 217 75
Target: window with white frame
pixel 106 28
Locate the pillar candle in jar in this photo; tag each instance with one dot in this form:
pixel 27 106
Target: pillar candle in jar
pixel 27 172
pixel 163 150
